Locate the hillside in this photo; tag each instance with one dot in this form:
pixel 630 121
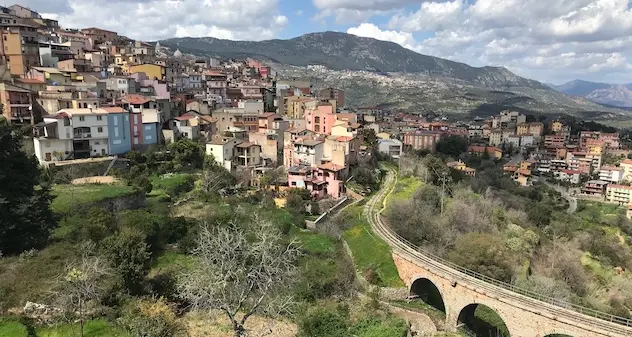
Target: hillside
pixel 380 72
pixel 616 95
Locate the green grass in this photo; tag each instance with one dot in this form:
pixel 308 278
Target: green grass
pixel 369 251
pixel 69 196
pixel 172 259
pixel 11 328
pixel 94 328
pixel 589 209
pixel 404 189
pixel 435 314
pixel 315 243
pixel 171 184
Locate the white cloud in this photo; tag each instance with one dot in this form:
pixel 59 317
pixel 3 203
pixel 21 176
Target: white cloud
pixel 406 40
pixel 553 40
pixel 430 16
pixel 157 19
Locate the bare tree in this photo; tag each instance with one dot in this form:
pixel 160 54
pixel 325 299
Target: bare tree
pixel 215 179
pixel 80 285
pixel 242 269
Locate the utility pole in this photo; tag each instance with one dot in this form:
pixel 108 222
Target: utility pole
pixel 442 191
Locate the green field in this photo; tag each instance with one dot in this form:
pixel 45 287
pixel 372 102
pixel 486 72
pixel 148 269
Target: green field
pixel 95 328
pixel 314 243
pixel 69 196
pixel 369 251
pixel 405 188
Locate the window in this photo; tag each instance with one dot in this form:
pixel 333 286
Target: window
pixel 82 119
pixel 97 143
pixel 294 183
pixel 99 118
pixel 99 129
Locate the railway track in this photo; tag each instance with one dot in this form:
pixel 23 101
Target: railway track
pixel 588 319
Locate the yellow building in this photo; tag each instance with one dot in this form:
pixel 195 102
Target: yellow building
pixel 557 126
pixel 19 46
pixel 153 71
pixel 525 165
pixel 626 165
pixel 536 129
pixel 595 149
pixel 523 129
pixel 620 194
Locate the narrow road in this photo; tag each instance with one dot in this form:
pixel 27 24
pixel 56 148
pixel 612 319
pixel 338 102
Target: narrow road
pixel 572 201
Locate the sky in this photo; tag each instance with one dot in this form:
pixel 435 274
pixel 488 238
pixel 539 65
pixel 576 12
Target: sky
pixel 548 40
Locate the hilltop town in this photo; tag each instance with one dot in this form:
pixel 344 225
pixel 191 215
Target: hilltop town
pixel 164 182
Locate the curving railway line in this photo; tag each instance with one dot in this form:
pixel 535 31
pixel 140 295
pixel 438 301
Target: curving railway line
pixel 583 321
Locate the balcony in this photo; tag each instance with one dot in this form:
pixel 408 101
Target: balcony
pixel 82 135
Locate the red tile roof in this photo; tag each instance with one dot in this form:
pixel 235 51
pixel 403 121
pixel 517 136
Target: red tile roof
pixel 344 139
pixel 567 171
pixel 331 167
pixel 113 109
pixel 185 117
pixel 625 187
pixel 136 99
pixel 30 81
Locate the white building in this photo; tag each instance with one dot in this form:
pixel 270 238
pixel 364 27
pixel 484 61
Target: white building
pixel 571 176
pixel 611 174
pixel 223 150
pixel 514 140
pixel 72 133
pixel 527 140
pixel 495 138
pixel 391 147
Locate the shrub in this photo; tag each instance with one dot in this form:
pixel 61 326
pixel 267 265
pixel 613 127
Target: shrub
pixel 321 322
pixel 149 318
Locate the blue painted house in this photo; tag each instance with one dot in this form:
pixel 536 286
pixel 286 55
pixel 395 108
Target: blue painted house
pixel 119 135
pixel 150 133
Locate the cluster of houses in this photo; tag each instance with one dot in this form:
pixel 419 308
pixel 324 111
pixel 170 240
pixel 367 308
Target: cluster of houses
pixel 94 93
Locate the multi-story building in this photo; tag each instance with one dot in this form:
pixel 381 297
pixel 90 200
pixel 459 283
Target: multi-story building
pixel 119 130
pixel 216 83
pixel 19 45
pixel 554 141
pixel 188 126
pixel 100 35
pixel 610 140
pixel 570 176
pixel 390 147
pixel 145 119
pixel 321 119
pixel 620 194
pixel 16 104
pixel 626 166
pixel 332 93
pixel 307 152
pixel 223 149
pixel 585 162
pixel 76 133
pixel 422 140
pixel 595 187
pixel 495 137
pixel 153 71
pixel 323 180
pixel 611 174
pixel 248 154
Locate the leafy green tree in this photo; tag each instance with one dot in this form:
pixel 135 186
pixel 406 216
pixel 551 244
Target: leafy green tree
pixel 129 256
pixel 370 138
pixel 540 214
pixel 26 220
pixel 452 146
pixel 187 153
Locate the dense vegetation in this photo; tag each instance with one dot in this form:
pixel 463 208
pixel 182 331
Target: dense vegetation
pixel 109 258
pixel 520 235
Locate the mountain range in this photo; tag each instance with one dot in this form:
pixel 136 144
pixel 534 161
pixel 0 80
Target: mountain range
pixel 375 72
pixel 617 95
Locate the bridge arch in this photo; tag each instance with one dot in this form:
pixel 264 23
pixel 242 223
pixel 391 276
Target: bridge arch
pixel 424 289
pixel 482 320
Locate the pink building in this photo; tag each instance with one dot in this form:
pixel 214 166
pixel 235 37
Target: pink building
pixel 322 180
pixel 321 119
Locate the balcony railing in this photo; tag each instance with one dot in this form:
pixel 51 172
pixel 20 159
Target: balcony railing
pixel 82 135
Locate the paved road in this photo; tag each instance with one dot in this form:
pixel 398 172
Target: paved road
pixel 572 201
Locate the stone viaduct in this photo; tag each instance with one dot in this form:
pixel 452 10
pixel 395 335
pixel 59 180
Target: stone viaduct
pixel 461 291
